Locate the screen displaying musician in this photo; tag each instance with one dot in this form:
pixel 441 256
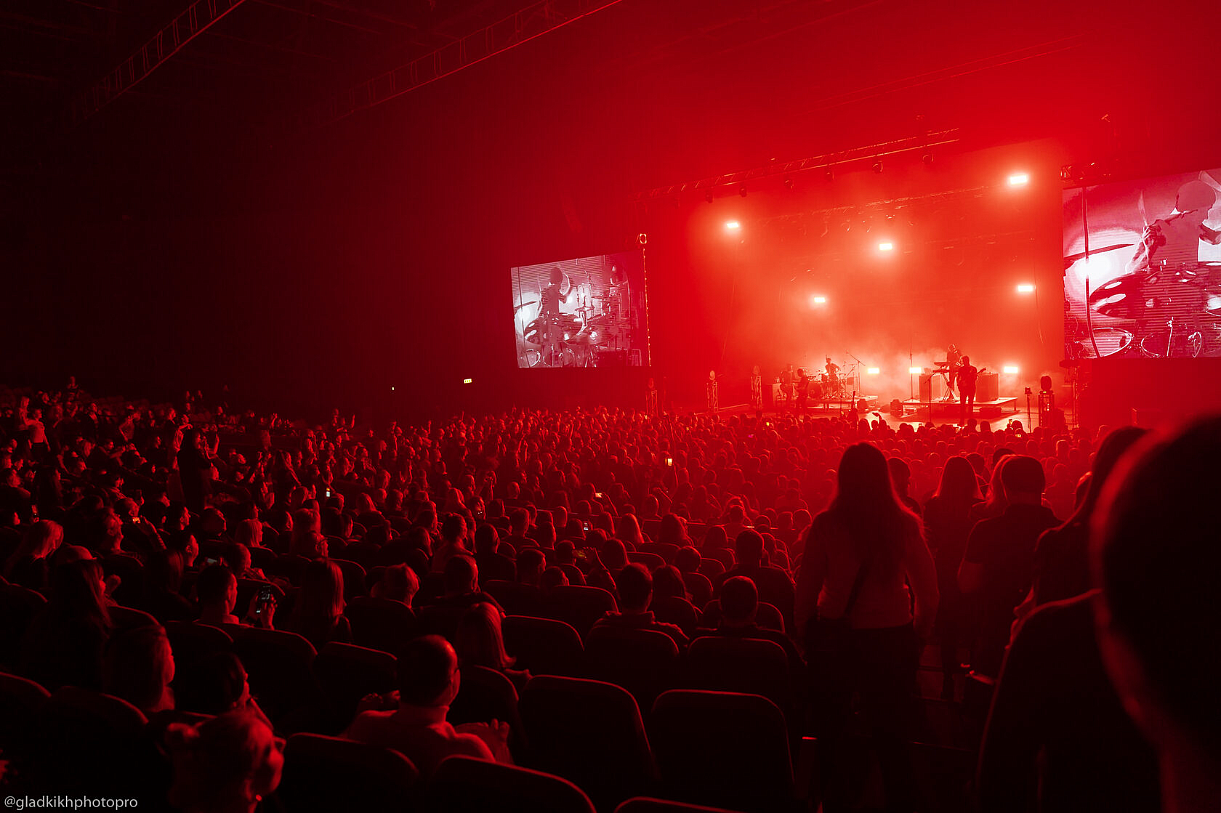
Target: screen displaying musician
pixel 587 312
pixel 1146 280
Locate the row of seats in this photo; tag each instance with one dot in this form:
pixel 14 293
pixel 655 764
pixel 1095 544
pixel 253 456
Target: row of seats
pixel 700 747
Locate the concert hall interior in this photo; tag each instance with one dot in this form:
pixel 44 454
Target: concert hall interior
pixel 656 278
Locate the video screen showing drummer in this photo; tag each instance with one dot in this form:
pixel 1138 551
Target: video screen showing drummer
pixel 581 313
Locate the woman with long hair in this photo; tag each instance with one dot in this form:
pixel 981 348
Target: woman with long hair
pixel 627 528
pixel 226 764
pixel 854 612
pixel 947 524
pixel 318 612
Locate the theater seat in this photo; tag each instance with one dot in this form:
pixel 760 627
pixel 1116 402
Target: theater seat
pixel 721 748
pixel 347 673
pixel 332 774
pixel 644 662
pixel 650 560
pixel 380 623
pixel 20 702
pixel 279 666
pixel 463 785
pixel 746 665
pixel 646 804
pixel 591 733
pixel 95 744
pixel 515 598
pixel 487 695
pixel 18 606
pixel 579 606
pixel 543 645
pixel 353 578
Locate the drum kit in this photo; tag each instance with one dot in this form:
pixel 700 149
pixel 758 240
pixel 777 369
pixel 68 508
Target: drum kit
pixel 1166 311
pixel 598 324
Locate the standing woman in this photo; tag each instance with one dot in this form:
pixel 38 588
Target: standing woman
pixel 947 524
pixel 854 613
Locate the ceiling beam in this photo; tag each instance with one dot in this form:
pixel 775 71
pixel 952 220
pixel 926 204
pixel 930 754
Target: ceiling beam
pixel 193 21
pixel 522 26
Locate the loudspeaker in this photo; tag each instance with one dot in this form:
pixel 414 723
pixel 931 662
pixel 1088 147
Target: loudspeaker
pixel 987 387
pixel 932 387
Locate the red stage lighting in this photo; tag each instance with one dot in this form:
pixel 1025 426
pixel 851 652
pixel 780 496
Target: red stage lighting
pixel 872 371
pixel 1010 369
pixel 914 370
pixel 817 299
pixel 733 225
pixel 886 246
pixel 1019 179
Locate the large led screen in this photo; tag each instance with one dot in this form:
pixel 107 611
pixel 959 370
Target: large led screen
pixel 1142 268
pixel 587 312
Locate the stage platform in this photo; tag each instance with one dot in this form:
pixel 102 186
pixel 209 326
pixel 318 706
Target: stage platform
pixel 952 410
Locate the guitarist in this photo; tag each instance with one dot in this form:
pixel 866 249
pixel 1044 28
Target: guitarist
pixel 967 374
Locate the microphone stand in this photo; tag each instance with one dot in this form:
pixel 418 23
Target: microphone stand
pixel 856 367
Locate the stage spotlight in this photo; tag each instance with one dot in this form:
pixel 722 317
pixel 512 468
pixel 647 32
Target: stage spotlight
pixel 877 166
pixel 1010 369
pixel 817 299
pixel 927 158
pixel 742 191
pixel 733 225
pixel 1025 288
pixel 914 370
pixel 1019 179
pixel 471 380
pixel 886 246
pixel 873 371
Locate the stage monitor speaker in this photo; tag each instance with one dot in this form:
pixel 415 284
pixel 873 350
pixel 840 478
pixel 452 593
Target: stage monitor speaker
pixel 990 412
pixel 987 387
pixel 932 387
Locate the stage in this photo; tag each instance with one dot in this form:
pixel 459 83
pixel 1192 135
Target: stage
pixel 952 410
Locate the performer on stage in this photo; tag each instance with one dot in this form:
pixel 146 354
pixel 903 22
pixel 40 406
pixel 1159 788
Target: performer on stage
pixel 952 360
pixel 833 383
pixel 788 382
pixel 756 391
pixel 711 390
pixel 803 390
pixel 652 399
pixel 966 387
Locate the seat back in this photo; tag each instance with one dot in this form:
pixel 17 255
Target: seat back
pixel 353 578
pixel 647 804
pixel 650 560
pixel 89 742
pixel 20 702
pixel 487 695
pixel 699 586
pixel 545 646
pixel 18 606
pixel 677 611
pixel 591 733
pixel 711 567
pixel 516 599
pixel 327 773
pixel 723 748
pixel 644 662
pixel 380 623
pixel 579 606
pixel 766 616
pixel 279 666
pixel 745 665
pixel 462 784
pixel 347 673
pixel 193 643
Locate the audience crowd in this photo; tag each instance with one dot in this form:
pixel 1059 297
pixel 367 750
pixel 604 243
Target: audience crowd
pixel 591 595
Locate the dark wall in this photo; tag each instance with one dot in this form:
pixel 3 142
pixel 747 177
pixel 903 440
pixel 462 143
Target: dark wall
pixel 325 267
